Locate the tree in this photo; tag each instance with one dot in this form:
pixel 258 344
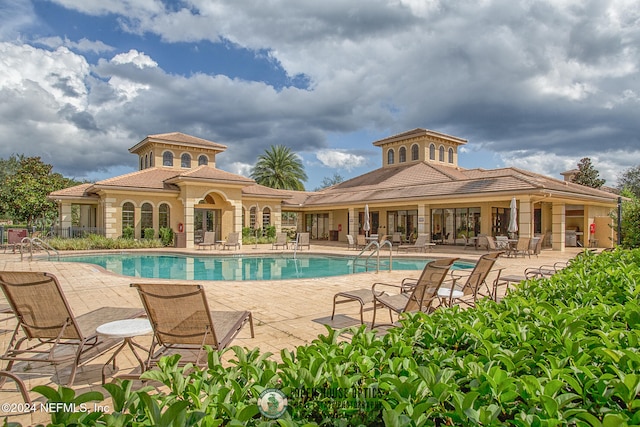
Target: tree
pixel 329 181
pixel 630 222
pixel 279 168
pixel 630 180
pixel 23 195
pixel 587 175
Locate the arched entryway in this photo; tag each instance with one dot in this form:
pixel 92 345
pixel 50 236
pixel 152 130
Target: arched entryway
pixel 207 216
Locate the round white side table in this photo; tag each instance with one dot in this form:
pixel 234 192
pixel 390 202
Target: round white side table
pixel 127 330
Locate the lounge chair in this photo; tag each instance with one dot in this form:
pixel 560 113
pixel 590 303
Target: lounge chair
pixel 209 240
pixel 46 322
pixel 182 320
pixel 366 296
pixel 233 241
pixel 281 240
pixel 469 291
pixel 361 241
pixel 303 240
pixel 419 297
pixel 421 244
pixel 396 239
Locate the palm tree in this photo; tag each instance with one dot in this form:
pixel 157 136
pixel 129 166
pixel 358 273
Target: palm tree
pixel 279 168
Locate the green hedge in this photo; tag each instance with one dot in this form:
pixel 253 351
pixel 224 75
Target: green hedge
pixel 556 352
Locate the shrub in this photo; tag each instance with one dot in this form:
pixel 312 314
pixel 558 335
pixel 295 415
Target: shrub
pixel 555 352
pixel 166 236
pixel 128 233
pixel 149 233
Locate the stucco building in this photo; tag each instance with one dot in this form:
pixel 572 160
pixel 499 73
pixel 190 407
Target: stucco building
pixel 419 189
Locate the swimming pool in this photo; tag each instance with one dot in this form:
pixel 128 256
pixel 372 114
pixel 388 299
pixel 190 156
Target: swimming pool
pixel 252 267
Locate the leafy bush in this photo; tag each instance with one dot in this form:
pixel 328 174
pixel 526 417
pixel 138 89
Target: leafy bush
pixel 95 241
pixel 562 351
pixel 149 233
pixel 128 233
pixel 270 231
pixel 166 236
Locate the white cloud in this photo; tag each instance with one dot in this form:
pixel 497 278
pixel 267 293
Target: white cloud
pixel 340 159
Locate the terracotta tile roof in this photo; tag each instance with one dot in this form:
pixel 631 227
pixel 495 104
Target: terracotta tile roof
pixel 418 132
pixel 151 178
pixel 75 191
pixel 291 197
pixel 180 138
pixel 427 181
pixel 210 173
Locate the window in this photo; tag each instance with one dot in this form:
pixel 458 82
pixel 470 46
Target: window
pixel 450 155
pixel 203 160
pixel 146 161
pixel 390 158
pixel 402 155
pixel 415 152
pixel 167 158
pixel 252 217
pixel 163 215
pixel 185 160
pixel 266 217
pixel 151 159
pixel 141 163
pixel 441 153
pixel 432 152
pixel 146 216
pixel 128 215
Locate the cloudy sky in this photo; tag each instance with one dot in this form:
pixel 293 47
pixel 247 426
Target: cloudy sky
pixel 531 84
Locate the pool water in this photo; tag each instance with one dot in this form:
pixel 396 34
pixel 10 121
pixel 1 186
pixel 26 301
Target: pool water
pixel 185 267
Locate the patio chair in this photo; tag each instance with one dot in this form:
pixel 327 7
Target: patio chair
pixel 182 320
pixel 14 239
pixel 303 240
pixel 351 243
pixel 502 243
pixel 209 240
pixel 521 248
pixel 469 291
pixel 46 323
pixel 421 244
pixel 396 239
pixel 361 241
pixel 419 297
pixel 233 241
pixel 281 240
pixel 535 246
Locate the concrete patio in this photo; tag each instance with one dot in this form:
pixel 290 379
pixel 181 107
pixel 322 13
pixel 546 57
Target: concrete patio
pixel 286 313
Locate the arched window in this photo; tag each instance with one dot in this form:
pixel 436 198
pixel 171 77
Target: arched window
pixel 164 215
pixel 252 217
pixel 432 152
pixel 146 216
pixel 146 161
pixel 450 155
pixel 141 163
pixel 402 155
pixel 128 215
pixel 151 159
pixel 266 217
pixel 415 152
pixel 203 160
pixel 185 160
pixel 441 153
pixel 167 158
pixel 390 158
